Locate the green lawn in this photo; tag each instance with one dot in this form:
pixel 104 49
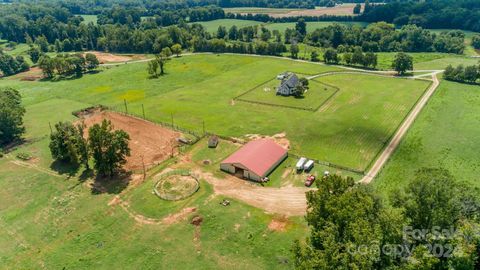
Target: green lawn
pixel 212 26
pixel 446 134
pixel 316 95
pixel 350 131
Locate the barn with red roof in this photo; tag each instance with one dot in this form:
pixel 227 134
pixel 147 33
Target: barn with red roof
pixel 255 160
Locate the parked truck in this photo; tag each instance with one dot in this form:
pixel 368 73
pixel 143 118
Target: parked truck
pixel 308 165
pixel 300 164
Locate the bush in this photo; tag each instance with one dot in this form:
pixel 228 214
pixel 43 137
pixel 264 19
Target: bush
pixel 24 156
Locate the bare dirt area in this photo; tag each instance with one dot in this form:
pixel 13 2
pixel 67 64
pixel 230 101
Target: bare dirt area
pixel 280 139
pixel 286 201
pixel 177 217
pixel 149 143
pixel 278 224
pixel 34 74
pixel 104 57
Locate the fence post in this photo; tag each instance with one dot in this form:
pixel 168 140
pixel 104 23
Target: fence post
pixel 125 103
pixel 143 111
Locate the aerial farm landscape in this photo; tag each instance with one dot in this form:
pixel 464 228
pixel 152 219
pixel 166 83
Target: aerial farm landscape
pixel 239 134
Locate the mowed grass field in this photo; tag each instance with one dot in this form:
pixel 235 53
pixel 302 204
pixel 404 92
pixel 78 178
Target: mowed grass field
pixel 55 221
pixel 212 26
pixel 446 135
pixel 316 95
pixel 350 130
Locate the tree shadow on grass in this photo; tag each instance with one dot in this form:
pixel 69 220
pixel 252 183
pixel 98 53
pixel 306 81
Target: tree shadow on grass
pixel 111 185
pixel 65 168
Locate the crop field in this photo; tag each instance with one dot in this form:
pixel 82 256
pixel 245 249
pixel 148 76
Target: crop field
pixel 445 135
pixel 344 9
pixel 316 95
pixel 350 130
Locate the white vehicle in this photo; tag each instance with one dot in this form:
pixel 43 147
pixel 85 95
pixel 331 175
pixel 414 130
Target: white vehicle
pixel 300 164
pixel 308 165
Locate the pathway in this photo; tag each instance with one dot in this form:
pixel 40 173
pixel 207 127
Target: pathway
pixel 387 153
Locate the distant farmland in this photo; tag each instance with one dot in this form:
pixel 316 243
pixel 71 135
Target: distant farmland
pixel 345 9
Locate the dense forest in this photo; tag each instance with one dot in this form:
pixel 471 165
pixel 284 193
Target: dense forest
pixel 461 14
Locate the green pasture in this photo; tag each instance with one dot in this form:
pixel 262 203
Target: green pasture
pixel 348 131
pixel 212 26
pixel 57 221
pixel 50 222
pixel 257 10
pixel 316 95
pixel 446 134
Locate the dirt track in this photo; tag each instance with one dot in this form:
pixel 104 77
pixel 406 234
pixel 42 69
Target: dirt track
pixel 288 201
pixel 390 149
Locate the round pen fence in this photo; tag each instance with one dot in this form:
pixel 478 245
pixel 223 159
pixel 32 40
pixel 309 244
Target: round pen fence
pixel 176 185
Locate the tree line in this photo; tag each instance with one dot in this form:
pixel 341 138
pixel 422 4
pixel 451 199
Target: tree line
pixel 432 223
pixel 67 64
pixel 383 37
pixel 460 73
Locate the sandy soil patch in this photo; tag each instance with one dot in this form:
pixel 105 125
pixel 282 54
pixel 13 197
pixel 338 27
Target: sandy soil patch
pixel 104 57
pixel 182 215
pixel 280 139
pixel 148 142
pixel 34 74
pixel 278 224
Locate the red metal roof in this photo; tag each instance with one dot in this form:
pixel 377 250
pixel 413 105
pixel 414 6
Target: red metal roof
pixel 258 156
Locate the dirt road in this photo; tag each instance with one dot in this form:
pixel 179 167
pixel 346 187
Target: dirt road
pixel 387 153
pixel 288 201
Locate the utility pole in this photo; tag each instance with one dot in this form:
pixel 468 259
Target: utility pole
pixel 50 125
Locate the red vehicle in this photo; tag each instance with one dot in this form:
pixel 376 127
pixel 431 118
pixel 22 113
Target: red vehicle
pixel 310 180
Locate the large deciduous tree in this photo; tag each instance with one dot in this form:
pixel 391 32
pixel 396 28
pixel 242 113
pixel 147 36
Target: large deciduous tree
pixel 11 115
pixel 402 63
pixel 109 148
pixel 64 143
pixel 344 218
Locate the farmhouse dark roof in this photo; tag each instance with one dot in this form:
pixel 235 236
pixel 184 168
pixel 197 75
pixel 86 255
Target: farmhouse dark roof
pixel 291 81
pixel 258 156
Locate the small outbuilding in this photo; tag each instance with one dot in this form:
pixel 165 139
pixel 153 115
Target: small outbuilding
pixel 255 160
pixel 213 142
